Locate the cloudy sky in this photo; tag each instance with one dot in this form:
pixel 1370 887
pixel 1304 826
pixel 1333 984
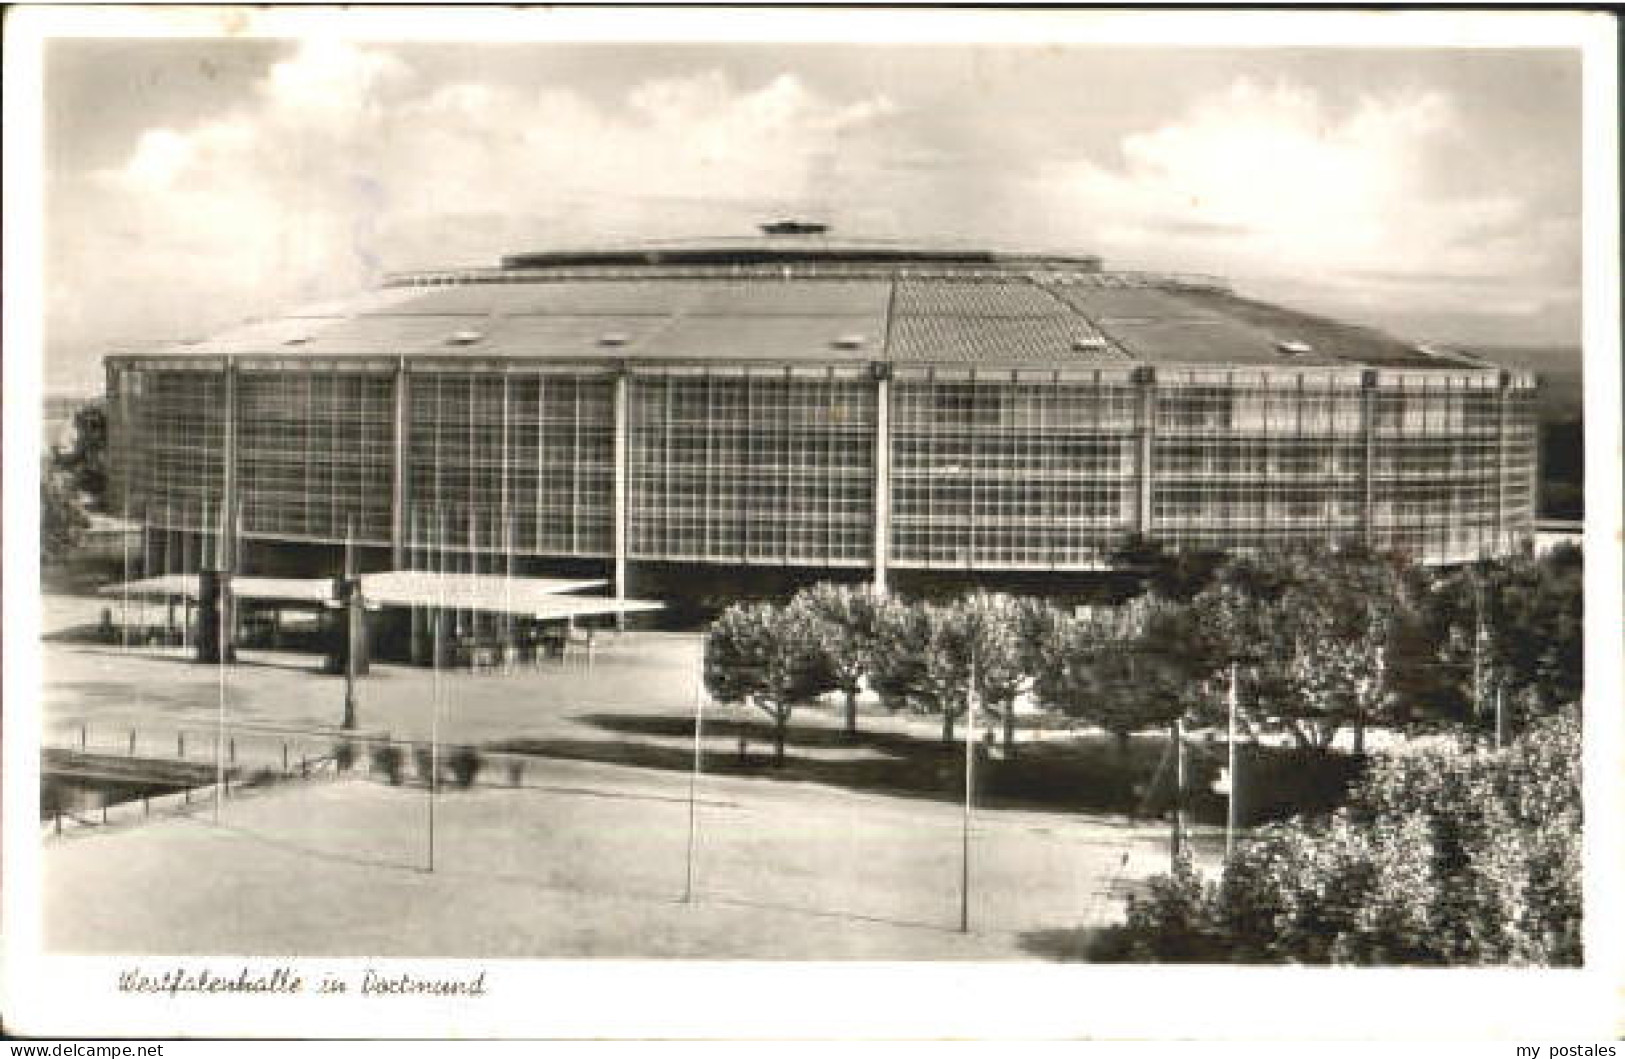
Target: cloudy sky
pixel 191 184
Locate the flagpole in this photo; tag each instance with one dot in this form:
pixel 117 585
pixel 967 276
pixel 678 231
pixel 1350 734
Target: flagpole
pixel 1230 817
pixel 434 702
pixel 220 662
pixel 970 771
pixel 694 777
pixel 352 586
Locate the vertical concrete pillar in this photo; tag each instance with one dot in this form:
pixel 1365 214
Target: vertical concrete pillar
pixel 1145 428
pixel 882 485
pixel 349 642
pixel 399 485
pixel 1368 456
pixel 622 477
pixel 216 618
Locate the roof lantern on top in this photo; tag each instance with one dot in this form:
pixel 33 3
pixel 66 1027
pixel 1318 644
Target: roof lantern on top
pixel 793 227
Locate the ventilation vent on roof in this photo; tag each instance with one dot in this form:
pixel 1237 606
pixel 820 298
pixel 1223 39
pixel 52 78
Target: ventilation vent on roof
pixel 1294 348
pixel 463 338
pixel 612 338
pixel 849 342
pixel 297 340
pixel 1088 343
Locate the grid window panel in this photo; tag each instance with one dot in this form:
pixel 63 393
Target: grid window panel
pixel 1010 474
pixel 510 464
pixel 171 439
pixel 1437 471
pixel 315 452
pixel 759 466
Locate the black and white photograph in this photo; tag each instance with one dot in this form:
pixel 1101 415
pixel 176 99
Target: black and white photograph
pixel 716 494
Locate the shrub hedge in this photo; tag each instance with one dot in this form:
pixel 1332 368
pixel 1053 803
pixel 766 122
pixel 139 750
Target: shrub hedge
pixel 1440 857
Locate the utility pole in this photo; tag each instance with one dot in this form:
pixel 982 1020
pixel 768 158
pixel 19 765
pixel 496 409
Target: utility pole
pixel 437 550
pixel 1230 812
pixel 1500 718
pixel 350 601
pixel 1478 652
pixel 224 553
pixel 970 783
pixel 694 778
pixel 1177 839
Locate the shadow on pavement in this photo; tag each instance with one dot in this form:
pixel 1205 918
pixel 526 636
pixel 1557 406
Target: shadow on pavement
pixel 1063 945
pixel 1079 776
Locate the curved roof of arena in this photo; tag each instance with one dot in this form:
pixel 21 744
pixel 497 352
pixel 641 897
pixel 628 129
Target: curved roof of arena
pixel 815 300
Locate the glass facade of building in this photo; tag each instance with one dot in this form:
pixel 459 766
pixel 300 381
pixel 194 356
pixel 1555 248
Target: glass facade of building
pixel 753 465
pixel 1257 459
pixel 1012 469
pixel 1011 472
pixel 816 406
pixel 168 423
pixel 512 461
pixel 315 451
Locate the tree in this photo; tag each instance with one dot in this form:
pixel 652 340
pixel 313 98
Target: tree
pixel 1440 858
pixel 1312 634
pixel 942 668
pixel 902 637
pixel 1519 622
pixel 62 523
pixel 85 462
pixel 1040 629
pixel 845 621
pixel 1176 575
pixel 1108 671
pixel 925 652
pixel 766 656
pixel 989 630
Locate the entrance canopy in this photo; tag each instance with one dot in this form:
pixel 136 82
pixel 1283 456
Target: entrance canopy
pixel 311 590
pixel 534 597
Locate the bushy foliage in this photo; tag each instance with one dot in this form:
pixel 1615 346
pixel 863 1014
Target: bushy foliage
pixel 388 759
pixel 1522 622
pixel 1113 671
pixel 1439 858
pixel 62 522
pixel 465 764
pixel 1316 644
pixel 767 656
pixel 1314 636
pixel 426 759
pixel 926 656
pixel 85 462
pixel 844 624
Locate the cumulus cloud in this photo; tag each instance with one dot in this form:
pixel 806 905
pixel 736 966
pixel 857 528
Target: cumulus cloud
pixel 1270 182
pixel 347 162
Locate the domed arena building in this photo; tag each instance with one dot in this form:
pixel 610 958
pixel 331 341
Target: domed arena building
pixel 671 418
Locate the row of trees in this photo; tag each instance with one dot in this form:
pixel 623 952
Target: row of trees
pixel 1315 644
pixel 925 657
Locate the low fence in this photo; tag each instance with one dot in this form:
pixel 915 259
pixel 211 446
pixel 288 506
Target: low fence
pixel 104 775
pixel 97 798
